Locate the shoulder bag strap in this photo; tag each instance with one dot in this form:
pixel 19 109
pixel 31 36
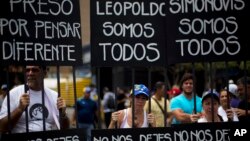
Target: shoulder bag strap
pixel 159 106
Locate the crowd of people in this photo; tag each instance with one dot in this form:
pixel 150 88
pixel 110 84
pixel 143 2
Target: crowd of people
pixel 137 108
pixel 181 104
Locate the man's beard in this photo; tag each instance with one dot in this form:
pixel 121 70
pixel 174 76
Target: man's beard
pixel 189 93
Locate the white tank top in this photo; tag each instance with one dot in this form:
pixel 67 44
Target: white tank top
pixel 125 120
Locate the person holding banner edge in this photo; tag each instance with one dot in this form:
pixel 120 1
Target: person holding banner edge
pixel 186 107
pixel 210 105
pixel 159 105
pixel 85 113
pixel 243 109
pixel 32 101
pixel 123 118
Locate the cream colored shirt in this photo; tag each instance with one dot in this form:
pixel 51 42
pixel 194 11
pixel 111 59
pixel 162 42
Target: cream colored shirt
pixel 156 110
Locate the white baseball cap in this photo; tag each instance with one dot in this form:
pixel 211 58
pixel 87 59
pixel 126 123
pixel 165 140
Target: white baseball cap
pixel 233 88
pixel 4 86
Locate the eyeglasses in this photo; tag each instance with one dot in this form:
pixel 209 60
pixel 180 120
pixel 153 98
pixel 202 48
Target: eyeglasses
pixel 32 69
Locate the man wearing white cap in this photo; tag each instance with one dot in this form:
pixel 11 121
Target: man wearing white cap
pixel 86 112
pixel 233 91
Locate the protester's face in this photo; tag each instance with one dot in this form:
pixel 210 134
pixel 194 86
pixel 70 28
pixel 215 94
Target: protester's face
pixel 162 90
pixel 87 95
pixel 241 90
pixel 207 106
pixel 140 100
pixel 223 98
pixel 35 77
pixel 187 86
pixel 4 92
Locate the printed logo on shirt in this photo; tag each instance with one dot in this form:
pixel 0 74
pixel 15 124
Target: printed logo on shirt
pixel 36 112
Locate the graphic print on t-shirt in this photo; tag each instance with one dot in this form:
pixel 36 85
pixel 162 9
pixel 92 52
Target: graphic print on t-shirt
pixel 36 112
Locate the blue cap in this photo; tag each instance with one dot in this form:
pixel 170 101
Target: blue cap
pixel 211 93
pixel 141 89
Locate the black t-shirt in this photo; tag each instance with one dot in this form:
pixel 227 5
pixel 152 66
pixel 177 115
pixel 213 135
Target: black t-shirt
pixel 242 105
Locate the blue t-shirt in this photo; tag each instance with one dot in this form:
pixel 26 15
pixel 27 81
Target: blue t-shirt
pixel 86 109
pixel 186 105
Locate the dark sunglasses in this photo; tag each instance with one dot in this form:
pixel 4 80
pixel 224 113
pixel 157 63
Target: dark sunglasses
pixel 32 69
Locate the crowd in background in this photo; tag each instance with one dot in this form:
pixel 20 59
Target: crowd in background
pixel 138 106
pixel 177 105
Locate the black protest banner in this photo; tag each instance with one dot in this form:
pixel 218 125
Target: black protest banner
pixel 187 132
pixel 44 32
pixel 127 33
pixel 56 135
pixel 207 30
